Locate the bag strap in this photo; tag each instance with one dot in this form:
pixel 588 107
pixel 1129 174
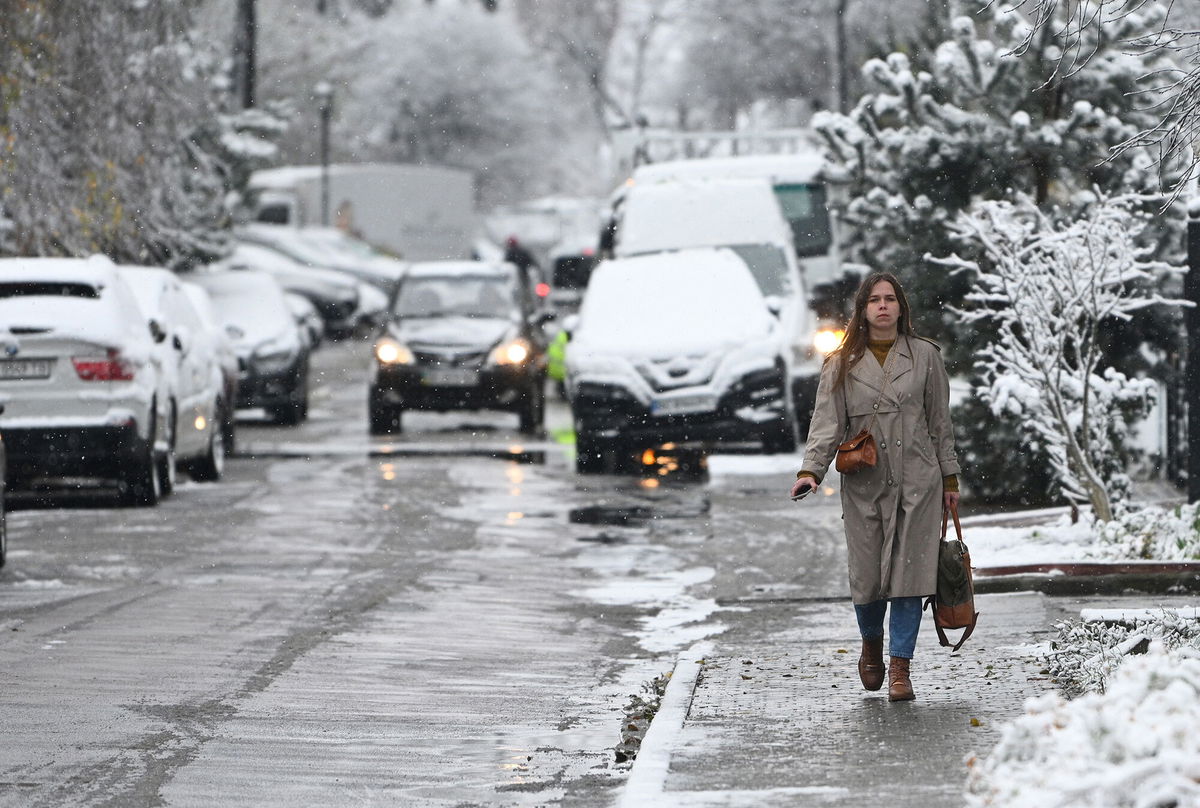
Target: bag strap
pixel 947 512
pixel 878 398
pixel 941 632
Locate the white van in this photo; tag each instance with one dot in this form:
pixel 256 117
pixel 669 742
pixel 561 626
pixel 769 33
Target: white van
pixel 744 216
pixel 801 188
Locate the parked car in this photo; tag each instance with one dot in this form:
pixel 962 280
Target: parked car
pixel 312 327
pixel 328 248
pixel 77 379
pixel 3 502
pixel 462 335
pixel 222 348
pixel 704 364
pixel 335 295
pixel 571 265
pixel 189 375
pixel 273 357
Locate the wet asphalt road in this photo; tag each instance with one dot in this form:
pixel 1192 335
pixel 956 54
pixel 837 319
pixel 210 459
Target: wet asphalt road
pixel 356 621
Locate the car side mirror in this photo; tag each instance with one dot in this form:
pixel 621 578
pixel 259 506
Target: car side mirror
pixel 156 330
pixel 774 304
pixel 182 340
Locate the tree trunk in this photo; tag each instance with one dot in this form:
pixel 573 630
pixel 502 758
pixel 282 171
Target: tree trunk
pixel 842 57
pixel 244 52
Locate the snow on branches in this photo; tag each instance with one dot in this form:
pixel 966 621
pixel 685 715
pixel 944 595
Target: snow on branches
pixel 1044 289
pixel 1145 26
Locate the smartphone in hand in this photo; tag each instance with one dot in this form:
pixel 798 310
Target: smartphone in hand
pixel 802 494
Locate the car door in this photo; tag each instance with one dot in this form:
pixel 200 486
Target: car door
pixel 196 393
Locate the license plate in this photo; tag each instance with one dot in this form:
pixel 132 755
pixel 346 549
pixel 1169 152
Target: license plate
pixel 450 377
pixel 25 369
pixel 680 405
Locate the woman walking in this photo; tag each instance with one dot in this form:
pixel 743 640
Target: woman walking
pixel 887 379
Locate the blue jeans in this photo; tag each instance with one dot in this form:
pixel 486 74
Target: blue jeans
pixel 902 629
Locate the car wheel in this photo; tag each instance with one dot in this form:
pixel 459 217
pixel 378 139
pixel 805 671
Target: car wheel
pixel 532 413
pixel 167 466
pixel 212 465
pixel 383 418
pixel 143 485
pixel 3 527
pixel 229 431
pixel 296 408
pixel 589 454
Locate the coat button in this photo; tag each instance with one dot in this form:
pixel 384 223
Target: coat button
pixel 897 443
pixel 875 406
pixel 890 482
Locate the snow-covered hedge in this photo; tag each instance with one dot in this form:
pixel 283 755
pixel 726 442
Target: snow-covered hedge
pixel 1165 535
pixel 1135 745
pixel 1086 654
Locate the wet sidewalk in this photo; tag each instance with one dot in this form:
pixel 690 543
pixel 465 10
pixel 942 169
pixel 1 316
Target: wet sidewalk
pixel 771 713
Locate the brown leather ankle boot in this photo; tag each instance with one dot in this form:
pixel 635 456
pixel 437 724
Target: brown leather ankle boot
pixel 899 685
pixel 870 664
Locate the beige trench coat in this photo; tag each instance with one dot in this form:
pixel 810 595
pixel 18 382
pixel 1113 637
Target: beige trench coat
pixel 893 511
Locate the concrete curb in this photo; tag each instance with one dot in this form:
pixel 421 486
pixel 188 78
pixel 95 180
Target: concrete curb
pixel 648 775
pixel 1102 578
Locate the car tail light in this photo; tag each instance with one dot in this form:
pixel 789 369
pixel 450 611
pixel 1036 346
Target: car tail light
pixel 111 368
pixel 542 289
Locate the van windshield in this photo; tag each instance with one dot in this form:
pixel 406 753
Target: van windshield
pixel 804 207
pixel 768 265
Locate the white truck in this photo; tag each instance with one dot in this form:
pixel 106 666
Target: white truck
pixel 419 213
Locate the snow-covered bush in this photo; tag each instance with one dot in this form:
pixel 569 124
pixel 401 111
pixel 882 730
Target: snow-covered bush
pixel 100 105
pixel 1043 291
pixel 1153 533
pixel 1085 654
pixel 1133 746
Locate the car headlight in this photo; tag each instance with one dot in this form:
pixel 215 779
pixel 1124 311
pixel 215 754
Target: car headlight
pixel 273 356
pixel 390 352
pixel 512 352
pixel 827 340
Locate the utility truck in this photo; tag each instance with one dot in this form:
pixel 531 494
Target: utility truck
pixel 416 212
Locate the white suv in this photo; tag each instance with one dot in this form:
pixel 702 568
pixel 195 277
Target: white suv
pixel 191 382
pixel 676 347
pixel 77 380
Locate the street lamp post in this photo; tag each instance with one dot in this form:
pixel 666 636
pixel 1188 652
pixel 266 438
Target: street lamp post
pixel 324 95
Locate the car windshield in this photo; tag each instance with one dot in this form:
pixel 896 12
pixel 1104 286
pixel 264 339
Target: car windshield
pixel 805 209
pixel 768 265
pixel 455 297
pixel 47 289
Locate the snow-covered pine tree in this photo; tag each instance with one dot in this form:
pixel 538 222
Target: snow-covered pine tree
pixel 971 122
pixel 1046 289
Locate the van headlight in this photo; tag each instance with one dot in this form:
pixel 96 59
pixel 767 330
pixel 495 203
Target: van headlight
pixel 512 352
pixel 827 340
pixel 390 352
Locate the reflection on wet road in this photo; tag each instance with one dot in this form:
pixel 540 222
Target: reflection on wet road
pixel 449 616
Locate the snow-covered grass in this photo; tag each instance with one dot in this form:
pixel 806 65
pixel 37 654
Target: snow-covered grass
pixel 1133 745
pixel 1149 533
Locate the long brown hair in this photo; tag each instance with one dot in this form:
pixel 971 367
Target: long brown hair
pixel 854 345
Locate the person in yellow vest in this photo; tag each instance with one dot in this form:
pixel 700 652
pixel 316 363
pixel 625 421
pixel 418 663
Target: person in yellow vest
pixel 887 379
